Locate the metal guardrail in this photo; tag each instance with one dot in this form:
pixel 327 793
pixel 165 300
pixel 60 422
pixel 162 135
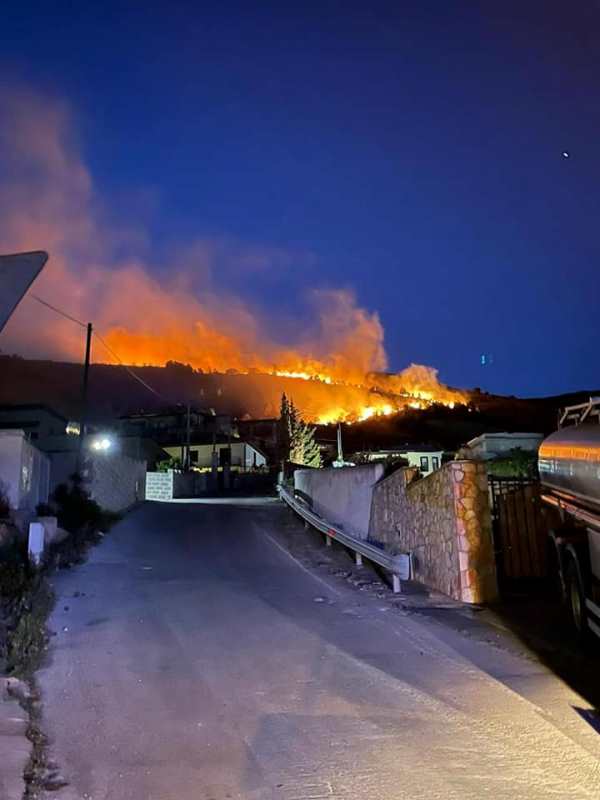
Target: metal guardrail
pixel 398 565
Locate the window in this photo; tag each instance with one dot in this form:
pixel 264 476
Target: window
pixel 424 463
pixel 435 462
pixel 193 456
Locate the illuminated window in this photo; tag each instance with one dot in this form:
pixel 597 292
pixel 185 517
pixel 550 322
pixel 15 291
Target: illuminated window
pixel 425 463
pixel 435 462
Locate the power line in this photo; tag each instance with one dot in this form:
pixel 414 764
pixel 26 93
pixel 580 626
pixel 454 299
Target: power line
pixel 101 340
pixel 58 311
pixel 125 367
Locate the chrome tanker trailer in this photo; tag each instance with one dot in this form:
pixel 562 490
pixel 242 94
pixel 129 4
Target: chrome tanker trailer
pixel 569 467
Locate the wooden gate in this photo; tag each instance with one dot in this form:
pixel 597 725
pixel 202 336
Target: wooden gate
pixel 519 529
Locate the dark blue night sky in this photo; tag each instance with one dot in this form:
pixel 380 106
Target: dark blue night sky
pixel 413 149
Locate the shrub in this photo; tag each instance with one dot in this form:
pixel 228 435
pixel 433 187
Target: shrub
pixel 167 464
pixel 515 463
pixel 4 504
pixel 75 508
pixel 15 572
pixel 27 642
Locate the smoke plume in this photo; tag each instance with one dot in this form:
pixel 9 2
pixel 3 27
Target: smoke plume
pixel 151 313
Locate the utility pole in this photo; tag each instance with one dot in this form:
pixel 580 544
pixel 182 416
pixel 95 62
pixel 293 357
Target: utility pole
pixel 84 392
pixel 340 452
pixel 189 436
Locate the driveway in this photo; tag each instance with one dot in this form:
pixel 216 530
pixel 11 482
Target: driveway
pixel 196 659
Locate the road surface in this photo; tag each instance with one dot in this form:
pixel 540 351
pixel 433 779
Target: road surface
pixel 196 659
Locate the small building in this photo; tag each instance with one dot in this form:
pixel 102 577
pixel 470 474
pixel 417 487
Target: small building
pixel 24 471
pixel 424 457
pixel 488 446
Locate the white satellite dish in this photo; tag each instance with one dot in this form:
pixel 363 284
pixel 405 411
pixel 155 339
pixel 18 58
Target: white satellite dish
pixel 17 272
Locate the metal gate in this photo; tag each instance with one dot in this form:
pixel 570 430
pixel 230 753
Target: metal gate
pixel 519 529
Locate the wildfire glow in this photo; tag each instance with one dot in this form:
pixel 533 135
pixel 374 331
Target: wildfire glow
pixel 305 376
pixel 180 308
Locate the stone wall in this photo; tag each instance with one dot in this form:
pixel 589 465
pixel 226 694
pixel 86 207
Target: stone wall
pixel 159 485
pixel 444 521
pixel 341 496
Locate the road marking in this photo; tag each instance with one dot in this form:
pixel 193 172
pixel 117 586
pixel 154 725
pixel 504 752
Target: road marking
pixel 299 564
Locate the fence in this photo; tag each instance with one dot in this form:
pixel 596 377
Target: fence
pixel 519 529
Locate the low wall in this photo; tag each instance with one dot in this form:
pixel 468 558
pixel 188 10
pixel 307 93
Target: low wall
pixel 165 486
pixel 341 496
pixel 444 521
pixel 172 484
pixel 116 481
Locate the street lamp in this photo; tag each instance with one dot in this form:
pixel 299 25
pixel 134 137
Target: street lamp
pixel 101 444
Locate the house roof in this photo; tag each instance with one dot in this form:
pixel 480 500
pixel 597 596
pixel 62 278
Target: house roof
pixel 405 448
pixel 511 436
pixel 170 412
pixel 206 438
pixel 9 408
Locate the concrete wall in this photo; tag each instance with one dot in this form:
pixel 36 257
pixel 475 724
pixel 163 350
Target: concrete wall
pixel 24 471
pixel 444 521
pixel 172 484
pixel 114 481
pixel 341 496
pixel 62 466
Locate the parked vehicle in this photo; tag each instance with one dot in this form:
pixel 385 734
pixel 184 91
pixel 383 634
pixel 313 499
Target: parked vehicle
pixel 569 467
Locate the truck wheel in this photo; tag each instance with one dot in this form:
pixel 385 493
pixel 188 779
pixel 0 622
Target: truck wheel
pixel 576 602
pixel 554 580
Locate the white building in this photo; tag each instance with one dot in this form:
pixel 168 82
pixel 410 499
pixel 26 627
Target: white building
pixel 492 445
pixel 426 459
pixel 24 471
pixel 240 456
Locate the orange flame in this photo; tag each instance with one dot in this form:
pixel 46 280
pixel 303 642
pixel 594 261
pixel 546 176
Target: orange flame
pixel 47 201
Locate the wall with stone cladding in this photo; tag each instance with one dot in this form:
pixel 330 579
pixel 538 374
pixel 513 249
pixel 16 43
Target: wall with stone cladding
pixel 444 521
pixel 115 481
pixel 159 485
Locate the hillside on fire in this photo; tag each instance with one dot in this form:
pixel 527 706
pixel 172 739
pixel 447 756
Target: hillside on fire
pixel 114 391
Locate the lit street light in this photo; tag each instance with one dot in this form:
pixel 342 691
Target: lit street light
pixel 101 444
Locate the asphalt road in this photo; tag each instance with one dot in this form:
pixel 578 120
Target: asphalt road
pixel 196 659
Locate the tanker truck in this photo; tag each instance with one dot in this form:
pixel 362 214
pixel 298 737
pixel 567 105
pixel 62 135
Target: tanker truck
pixel 569 468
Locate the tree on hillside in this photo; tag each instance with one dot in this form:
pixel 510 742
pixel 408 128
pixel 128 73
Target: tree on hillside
pixel 296 438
